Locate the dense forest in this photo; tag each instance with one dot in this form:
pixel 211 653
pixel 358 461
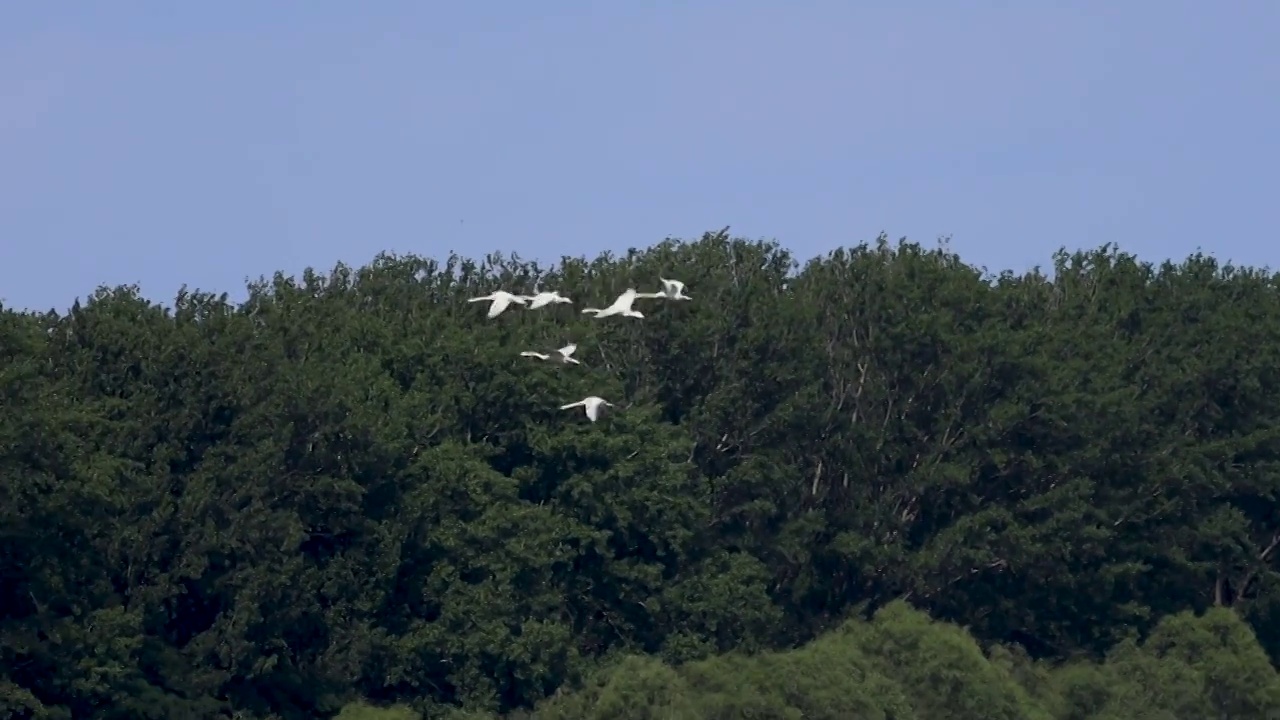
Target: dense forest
pixel 879 484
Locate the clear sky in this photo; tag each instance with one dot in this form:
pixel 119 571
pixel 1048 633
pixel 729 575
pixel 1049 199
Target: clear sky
pixel 165 143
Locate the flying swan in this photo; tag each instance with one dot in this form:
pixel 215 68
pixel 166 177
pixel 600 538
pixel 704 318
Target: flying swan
pixel 591 405
pixel 543 299
pixel 501 300
pixel 671 290
pixel 561 356
pixel 621 306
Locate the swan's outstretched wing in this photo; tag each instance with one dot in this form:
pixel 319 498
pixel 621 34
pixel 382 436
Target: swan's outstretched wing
pixel 594 404
pixel 568 350
pixel 620 305
pixel 499 304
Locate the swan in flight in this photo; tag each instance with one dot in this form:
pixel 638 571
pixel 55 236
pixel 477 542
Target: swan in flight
pixel 501 299
pixel 543 299
pixel 671 290
pixel 621 306
pixel 591 405
pixel 563 355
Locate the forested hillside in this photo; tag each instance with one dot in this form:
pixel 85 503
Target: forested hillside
pixel 353 486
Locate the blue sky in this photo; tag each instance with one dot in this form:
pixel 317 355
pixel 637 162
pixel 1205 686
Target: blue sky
pixel 200 143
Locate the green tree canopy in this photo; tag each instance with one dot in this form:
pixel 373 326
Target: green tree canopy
pixel 879 483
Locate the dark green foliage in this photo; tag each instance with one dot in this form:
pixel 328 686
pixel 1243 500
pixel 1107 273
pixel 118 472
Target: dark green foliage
pixel 351 486
pixel 902 666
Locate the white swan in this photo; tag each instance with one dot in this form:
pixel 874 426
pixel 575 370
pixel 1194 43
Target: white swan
pixel 591 405
pixel 501 299
pixel 621 306
pixel 561 356
pixel 671 290
pixel 543 299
